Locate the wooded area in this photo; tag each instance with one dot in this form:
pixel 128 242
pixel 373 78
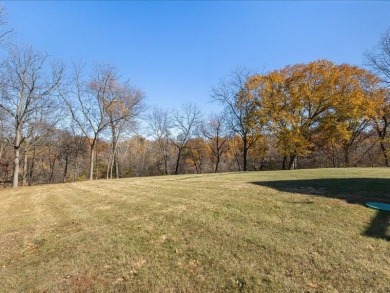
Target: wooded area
pixel 62 124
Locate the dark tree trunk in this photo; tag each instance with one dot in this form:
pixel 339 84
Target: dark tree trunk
pixel 292 162
pixel 386 157
pixel 217 164
pixel 116 165
pixel 52 166
pixel 347 162
pixel 178 161
pixel 284 163
pixel 65 169
pixel 245 152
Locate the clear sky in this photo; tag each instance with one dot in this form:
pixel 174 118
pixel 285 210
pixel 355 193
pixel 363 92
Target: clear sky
pixel 176 51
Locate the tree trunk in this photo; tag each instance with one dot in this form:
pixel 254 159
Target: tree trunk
pixel 346 159
pixel 245 152
pixel 96 161
pixel 178 161
pixel 76 171
pixel 116 165
pixel 196 167
pixel 52 166
pixel 31 169
pixel 292 162
pixel 112 161
pixel 65 169
pixel 15 181
pixel 238 162
pixel 109 167
pixel 25 169
pixel 91 160
pixel 166 164
pixel 5 173
pixel 334 160
pixel 18 138
pixel 2 146
pixel 217 163
pixel 382 135
pixel 284 163
pixel 386 157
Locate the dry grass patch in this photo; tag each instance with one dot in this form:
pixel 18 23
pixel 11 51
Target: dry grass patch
pixel 297 231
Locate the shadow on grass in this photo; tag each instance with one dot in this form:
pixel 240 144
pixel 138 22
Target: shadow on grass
pixel 351 190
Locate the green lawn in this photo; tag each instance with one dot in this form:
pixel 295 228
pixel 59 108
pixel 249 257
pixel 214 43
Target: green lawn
pixel 303 230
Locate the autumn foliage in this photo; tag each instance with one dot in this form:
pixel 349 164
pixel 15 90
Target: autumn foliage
pixel 311 115
pixel 315 105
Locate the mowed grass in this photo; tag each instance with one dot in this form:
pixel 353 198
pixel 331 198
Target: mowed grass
pixel 303 230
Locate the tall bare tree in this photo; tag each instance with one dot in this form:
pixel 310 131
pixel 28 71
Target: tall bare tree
pixel 160 125
pixel 214 129
pixel 378 59
pixel 186 124
pixel 124 105
pixel 27 91
pixel 37 134
pixel 233 94
pixel 71 147
pixel 101 102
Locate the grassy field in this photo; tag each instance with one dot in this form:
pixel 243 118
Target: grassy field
pixel 303 230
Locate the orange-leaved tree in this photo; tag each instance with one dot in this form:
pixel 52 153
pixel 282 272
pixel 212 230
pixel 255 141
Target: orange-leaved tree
pixel 308 105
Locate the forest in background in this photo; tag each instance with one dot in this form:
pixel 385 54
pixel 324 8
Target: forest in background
pixel 61 124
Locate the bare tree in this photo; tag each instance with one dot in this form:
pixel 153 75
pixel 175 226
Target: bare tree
pixel 90 102
pixel 71 146
pixel 233 94
pixel 160 125
pixel 186 124
pixel 214 129
pixel 37 134
pixel 382 126
pixel 5 32
pixel 27 94
pixel 125 104
pixel 378 60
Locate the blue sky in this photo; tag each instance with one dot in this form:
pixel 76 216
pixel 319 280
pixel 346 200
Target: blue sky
pixel 176 51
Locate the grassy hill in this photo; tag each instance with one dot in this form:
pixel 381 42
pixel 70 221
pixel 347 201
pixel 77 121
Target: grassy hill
pixel 304 230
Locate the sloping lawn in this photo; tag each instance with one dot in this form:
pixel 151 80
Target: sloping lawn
pixel 304 230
